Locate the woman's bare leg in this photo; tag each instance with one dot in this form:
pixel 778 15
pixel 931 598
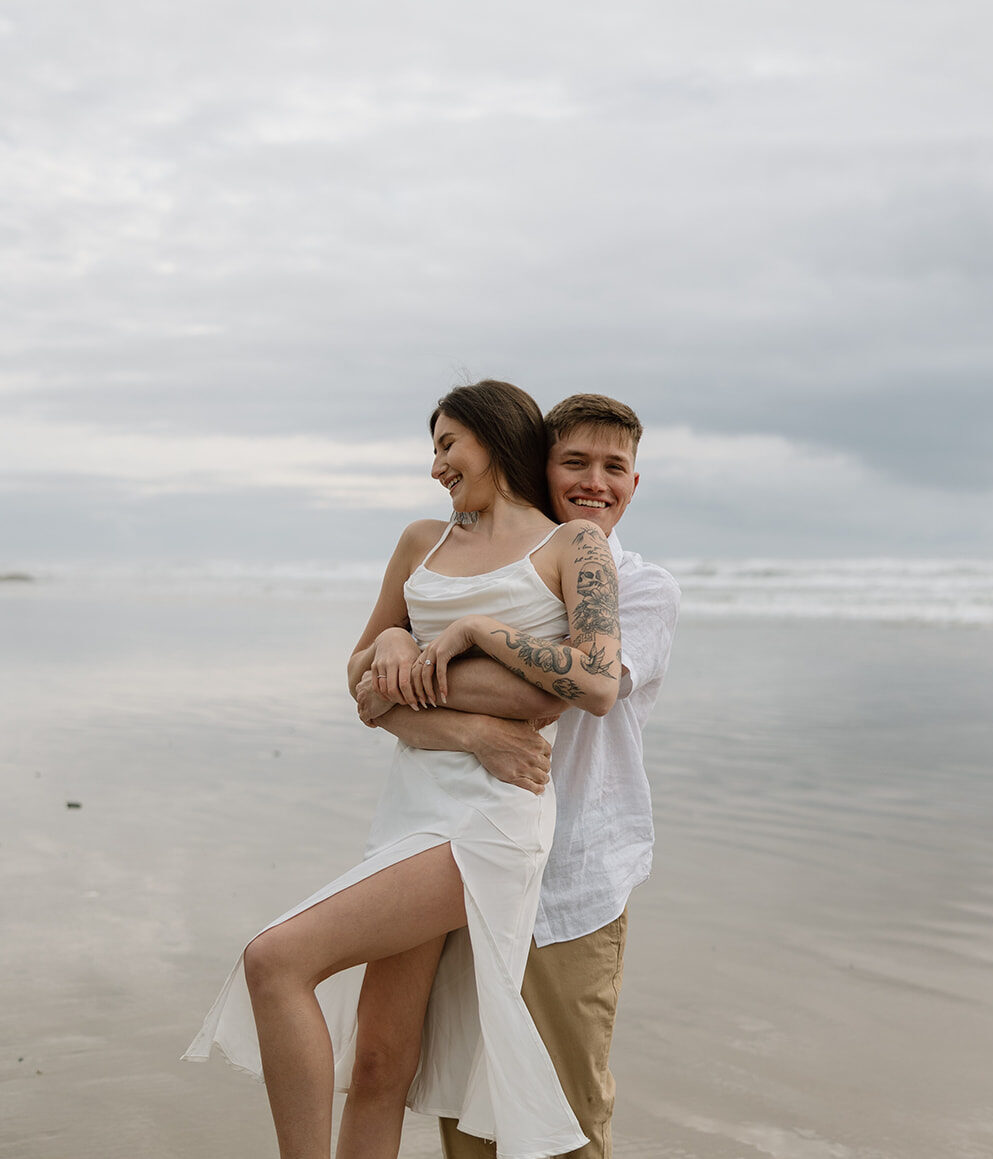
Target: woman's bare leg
pixel 392 1005
pixel 403 906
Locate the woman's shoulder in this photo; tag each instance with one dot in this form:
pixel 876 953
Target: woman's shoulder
pixel 579 532
pixel 580 546
pixel 417 539
pixel 423 529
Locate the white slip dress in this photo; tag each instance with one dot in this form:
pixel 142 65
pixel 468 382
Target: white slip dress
pixel 482 1059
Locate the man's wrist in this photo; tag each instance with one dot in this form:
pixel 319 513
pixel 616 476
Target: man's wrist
pixel 474 731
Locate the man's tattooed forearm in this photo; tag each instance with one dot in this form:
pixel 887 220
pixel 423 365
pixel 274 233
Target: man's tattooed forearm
pixel 537 653
pixel 596 586
pixel 567 688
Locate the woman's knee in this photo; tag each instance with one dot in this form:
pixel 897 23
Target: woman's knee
pixel 384 1070
pixel 268 964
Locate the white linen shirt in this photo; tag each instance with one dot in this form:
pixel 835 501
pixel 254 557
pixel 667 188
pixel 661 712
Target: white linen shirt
pixel 603 830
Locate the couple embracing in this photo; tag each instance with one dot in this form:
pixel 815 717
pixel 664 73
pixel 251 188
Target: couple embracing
pixel 401 981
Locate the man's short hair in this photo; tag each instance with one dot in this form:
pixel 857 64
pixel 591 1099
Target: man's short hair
pixel 592 410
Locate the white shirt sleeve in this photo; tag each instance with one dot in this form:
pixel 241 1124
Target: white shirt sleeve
pixel 649 606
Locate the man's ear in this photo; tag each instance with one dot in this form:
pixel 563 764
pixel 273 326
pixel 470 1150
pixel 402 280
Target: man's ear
pixel 637 479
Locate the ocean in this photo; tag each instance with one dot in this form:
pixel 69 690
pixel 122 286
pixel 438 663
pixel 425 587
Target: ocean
pixel 884 590
pixel 808 973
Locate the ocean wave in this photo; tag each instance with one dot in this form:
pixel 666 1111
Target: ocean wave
pixel 234 578
pixel 919 591
pixel 923 591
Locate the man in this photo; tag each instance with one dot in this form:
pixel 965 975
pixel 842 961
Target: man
pixel 603 834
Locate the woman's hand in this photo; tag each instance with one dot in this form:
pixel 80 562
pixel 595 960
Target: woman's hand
pixel 430 672
pixel 394 652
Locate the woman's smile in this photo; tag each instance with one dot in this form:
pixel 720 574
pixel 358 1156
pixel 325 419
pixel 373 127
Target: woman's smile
pixel 461 463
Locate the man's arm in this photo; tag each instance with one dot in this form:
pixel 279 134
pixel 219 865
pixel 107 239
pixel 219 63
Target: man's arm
pixel 510 750
pixel 480 684
pixel 487 715
pixel 649 611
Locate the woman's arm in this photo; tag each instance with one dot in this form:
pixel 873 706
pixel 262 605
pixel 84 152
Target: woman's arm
pixel 586 671
pixel 390 611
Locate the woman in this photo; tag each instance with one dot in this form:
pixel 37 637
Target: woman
pixel 452 851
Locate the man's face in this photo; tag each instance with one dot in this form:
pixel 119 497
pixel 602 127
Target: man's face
pixel 591 475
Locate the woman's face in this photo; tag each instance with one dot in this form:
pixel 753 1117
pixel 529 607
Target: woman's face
pixel 462 465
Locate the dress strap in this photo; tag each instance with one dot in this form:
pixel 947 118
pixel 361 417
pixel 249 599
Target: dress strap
pixel 537 546
pixel 444 536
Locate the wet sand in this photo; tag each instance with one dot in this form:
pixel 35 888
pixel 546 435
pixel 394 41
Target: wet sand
pixel 809 968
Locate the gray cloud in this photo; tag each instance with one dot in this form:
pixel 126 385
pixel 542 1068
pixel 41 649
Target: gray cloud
pixel 233 218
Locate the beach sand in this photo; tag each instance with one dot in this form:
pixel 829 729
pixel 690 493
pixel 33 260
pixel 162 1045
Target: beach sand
pixel 808 972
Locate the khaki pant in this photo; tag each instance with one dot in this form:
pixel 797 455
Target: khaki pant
pixel 571 989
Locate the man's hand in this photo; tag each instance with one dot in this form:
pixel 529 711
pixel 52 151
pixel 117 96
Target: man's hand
pixel 512 751
pixel 369 702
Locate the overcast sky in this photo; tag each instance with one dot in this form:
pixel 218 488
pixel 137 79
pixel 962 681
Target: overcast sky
pixel 245 247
